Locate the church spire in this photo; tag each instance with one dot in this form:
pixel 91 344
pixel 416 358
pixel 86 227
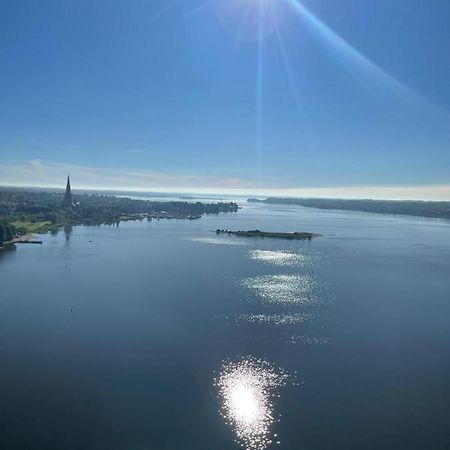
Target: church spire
pixel 67 200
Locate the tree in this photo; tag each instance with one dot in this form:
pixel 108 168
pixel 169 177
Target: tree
pixel 7 231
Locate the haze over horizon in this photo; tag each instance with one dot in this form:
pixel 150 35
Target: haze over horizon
pixel 268 97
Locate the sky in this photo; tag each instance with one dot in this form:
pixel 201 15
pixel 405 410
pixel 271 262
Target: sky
pixel 345 98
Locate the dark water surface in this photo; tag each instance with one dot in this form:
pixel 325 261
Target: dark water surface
pixel 115 343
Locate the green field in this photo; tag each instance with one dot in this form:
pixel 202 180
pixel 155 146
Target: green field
pixel 31 227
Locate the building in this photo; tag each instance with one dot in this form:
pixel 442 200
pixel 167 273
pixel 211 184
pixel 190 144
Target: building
pixel 67 200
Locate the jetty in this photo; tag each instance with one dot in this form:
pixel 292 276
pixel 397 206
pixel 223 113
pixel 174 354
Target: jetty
pixel 297 235
pixel 24 239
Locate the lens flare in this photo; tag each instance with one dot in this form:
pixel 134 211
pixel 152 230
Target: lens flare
pixel 246 389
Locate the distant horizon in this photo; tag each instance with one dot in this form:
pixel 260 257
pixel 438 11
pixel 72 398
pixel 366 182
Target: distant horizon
pixel 432 193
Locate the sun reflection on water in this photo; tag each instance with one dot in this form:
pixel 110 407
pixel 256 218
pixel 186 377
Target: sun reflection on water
pixel 281 258
pixel 216 241
pixel 246 389
pixel 277 319
pixel 284 289
pixel 311 340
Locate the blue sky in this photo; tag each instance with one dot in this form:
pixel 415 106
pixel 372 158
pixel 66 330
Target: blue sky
pixel 243 95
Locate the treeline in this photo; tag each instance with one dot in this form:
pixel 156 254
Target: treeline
pixel 37 206
pixel 7 231
pixel 438 210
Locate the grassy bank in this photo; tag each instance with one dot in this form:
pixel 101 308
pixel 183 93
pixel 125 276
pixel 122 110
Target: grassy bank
pixel 33 227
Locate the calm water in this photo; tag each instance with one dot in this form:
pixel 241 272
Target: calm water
pixel 162 335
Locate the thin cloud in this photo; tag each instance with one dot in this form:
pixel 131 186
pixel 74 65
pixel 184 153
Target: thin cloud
pixel 52 174
pixel 39 173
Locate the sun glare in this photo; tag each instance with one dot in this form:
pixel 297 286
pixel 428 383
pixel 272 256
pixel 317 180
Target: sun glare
pixel 247 389
pixel 249 20
pixel 244 403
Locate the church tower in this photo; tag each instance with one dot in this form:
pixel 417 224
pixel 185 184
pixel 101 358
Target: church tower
pixel 67 200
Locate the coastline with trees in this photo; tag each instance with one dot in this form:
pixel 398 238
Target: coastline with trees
pixel 25 211
pixel 418 208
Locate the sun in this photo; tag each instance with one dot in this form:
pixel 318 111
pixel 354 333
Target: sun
pixel 249 20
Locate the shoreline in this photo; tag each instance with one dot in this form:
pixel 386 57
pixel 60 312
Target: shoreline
pixel 24 239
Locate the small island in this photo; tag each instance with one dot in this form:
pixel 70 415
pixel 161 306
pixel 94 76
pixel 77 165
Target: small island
pixel 297 235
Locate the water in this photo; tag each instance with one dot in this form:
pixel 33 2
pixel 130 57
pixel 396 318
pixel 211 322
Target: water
pixel 162 335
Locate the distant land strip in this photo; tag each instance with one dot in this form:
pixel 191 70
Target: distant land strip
pixel 436 210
